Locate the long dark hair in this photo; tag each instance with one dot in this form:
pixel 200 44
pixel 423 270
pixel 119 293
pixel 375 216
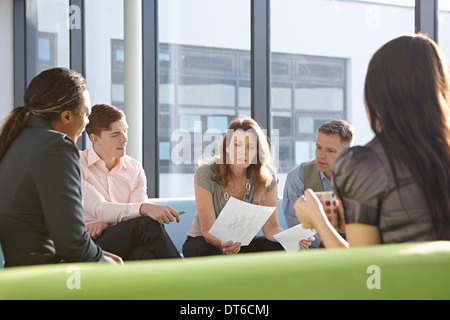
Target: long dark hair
pixel 50 93
pixel 407 94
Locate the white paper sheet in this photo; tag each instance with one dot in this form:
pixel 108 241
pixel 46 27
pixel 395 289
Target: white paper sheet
pixel 240 221
pixel 291 237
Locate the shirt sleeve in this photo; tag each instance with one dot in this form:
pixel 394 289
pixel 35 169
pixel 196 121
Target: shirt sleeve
pixel 274 181
pixel 139 194
pixel 293 189
pixel 361 182
pixel 56 174
pixel 202 177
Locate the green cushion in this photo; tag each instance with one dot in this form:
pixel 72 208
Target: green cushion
pixel 403 271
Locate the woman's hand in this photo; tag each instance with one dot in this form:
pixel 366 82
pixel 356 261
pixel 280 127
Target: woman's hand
pixel 309 210
pixel 305 243
pixel 230 247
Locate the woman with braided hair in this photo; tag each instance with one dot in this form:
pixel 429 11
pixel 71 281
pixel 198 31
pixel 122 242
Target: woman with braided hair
pixel 40 184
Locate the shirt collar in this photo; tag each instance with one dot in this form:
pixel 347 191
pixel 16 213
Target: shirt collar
pixel 93 158
pixel 323 176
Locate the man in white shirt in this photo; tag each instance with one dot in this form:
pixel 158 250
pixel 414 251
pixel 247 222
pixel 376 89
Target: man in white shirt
pixel 117 213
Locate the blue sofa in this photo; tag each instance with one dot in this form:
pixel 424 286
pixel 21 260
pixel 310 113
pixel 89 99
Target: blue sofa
pixel 178 231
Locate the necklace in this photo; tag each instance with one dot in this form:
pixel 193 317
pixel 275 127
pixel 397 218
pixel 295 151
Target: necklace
pixel 248 186
pixel 242 187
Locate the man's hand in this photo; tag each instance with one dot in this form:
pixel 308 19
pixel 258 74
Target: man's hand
pixel 95 229
pixel 162 213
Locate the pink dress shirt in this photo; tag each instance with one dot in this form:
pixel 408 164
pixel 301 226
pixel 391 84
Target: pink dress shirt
pixel 111 196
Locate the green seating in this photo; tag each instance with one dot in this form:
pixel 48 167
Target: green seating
pixel 400 271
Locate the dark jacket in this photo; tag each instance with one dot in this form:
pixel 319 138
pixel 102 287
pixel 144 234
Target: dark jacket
pixel 40 200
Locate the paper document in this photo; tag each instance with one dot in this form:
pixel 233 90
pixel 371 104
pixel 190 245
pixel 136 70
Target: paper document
pixel 291 237
pixel 240 221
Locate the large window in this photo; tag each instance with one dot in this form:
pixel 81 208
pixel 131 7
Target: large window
pixel 53 48
pixel 103 41
pixel 320 53
pixel 202 90
pixel 306 91
pixel 204 76
pixel 104 23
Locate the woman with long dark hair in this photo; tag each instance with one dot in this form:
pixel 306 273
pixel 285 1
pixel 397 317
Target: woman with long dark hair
pixel 40 184
pixel 396 188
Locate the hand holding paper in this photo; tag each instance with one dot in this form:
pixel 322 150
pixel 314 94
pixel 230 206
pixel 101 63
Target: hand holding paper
pixel 290 238
pixel 240 221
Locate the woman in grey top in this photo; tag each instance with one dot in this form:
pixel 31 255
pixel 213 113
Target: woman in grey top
pixel 243 170
pixel 396 188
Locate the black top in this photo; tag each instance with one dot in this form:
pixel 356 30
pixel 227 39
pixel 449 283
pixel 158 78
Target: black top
pixel 365 183
pixel 40 200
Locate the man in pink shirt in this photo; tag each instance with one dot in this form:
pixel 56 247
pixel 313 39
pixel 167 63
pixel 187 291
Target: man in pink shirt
pixel 116 210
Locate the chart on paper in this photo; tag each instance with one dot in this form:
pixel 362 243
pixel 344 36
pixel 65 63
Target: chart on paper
pixel 241 226
pixel 240 221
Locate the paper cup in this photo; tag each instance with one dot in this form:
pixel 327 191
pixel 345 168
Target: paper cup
pixel 328 200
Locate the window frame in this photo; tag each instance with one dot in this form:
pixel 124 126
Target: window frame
pixel 25 63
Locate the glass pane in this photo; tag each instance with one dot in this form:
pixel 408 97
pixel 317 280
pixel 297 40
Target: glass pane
pixel 282 121
pixel 444 27
pixel 204 72
pixel 304 150
pixel 53 43
pixel 319 74
pixel 244 94
pixel 105 56
pixel 308 126
pixel 219 123
pixel 325 99
pixel 206 92
pixel 281 96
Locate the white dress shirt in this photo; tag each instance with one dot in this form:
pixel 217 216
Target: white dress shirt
pixel 111 196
